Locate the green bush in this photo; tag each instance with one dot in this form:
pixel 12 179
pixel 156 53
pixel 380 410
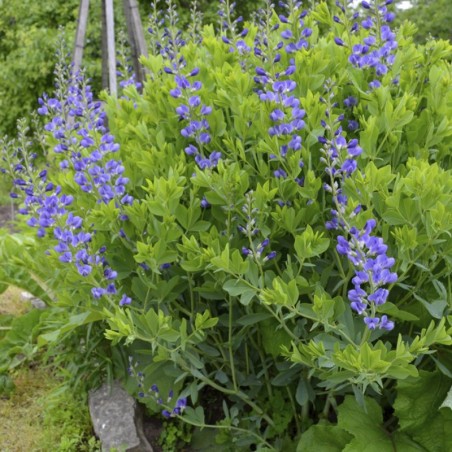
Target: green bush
pixel 231 287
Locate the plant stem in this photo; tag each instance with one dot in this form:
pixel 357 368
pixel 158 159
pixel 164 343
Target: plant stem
pixel 231 351
pixel 229 427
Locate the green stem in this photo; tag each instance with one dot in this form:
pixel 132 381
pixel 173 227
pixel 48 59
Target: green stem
pixel 326 408
pixel 231 351
pixel 238 394
pixel 229 427
pixel 305 412
pixel 294 410
pixel 264 367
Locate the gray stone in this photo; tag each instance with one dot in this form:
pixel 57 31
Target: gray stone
pixel 37 303
pixel 117 419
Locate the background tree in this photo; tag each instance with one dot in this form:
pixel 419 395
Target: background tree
pixel 432 18
pixel 28 34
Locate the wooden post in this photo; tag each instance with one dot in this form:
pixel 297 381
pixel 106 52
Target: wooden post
pixel 111 52
pixel 136 37
pixel 80 34
pixel 105 81
pixel 132 41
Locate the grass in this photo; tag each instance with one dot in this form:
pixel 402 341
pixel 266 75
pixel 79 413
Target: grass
pixel 39 414
pixel 21 414
pixel 12 302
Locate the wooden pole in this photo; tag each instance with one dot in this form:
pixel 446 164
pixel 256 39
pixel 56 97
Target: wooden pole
pixel 136 37
pixel 131 36
pixel 110 36
pixel 105 81
pixel 132 40
pixel 80 34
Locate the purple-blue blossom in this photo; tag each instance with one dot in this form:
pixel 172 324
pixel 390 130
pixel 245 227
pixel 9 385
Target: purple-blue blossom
pixel 169 409
pixel 377 51
pixel 366 252
pixel 77 122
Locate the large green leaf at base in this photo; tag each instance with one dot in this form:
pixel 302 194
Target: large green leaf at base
pixel 324 438
pixel 418 408
pixel 357 430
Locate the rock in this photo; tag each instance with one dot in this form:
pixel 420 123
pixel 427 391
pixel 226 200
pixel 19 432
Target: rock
pixel 117 419
pixel 37 303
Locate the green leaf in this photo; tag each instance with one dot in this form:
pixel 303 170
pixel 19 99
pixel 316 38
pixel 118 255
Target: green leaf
pixel 365 425
pixel 393 311
pixel 252 319
pixel 393 217
pixel 447 402
pixel 273 339
pixel 239 288
pixel 417 407
pixel 324 438
pixel 310 244
pixel 74 322
pixel 236 287
pixel 195 416
pixel 205 321
pixel 435 308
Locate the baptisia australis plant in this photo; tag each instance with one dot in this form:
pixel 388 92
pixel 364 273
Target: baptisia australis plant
pixel 192 110
pixel 366 252
pixel 230 34
pixel 278 87
pixel 378 47
pixel 272 327
pixel 85 145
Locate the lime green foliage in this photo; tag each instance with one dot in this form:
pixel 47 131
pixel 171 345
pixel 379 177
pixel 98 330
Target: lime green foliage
pixel 174 436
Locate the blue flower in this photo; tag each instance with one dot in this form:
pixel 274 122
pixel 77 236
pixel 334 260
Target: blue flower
pixel 125 300
pixel 366 252
pixel 377 50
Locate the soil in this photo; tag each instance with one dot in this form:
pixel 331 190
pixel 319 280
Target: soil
pixel 152 429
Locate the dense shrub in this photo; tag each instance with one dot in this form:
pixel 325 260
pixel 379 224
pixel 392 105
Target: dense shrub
pixel 264 232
